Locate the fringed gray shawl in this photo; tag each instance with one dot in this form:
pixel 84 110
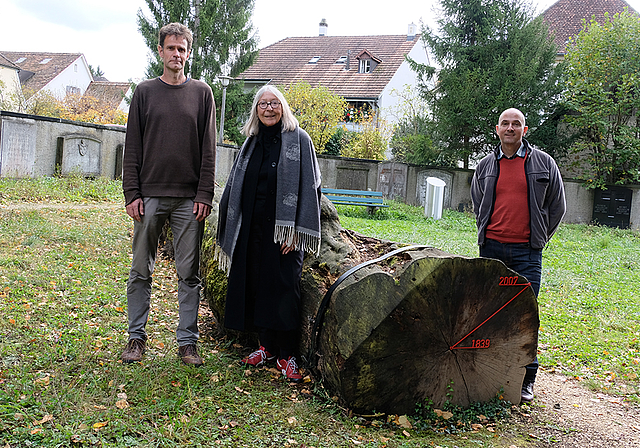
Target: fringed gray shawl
pixel 297 198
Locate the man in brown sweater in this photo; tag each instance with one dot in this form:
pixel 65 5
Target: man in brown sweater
pixel 168 174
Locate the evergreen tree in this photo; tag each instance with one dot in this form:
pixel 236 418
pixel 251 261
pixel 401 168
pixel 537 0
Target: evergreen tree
pixel 492 55
pixel 224 42
pixel 223 35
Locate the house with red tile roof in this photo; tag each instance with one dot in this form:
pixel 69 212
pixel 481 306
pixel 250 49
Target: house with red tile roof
pixel 565 18
pixel 111 93
pixel 58 73
pixel 62 74
pixel 365 70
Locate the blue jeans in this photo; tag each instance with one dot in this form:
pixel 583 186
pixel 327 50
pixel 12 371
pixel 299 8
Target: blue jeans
pixel 187 238
pixel 527 262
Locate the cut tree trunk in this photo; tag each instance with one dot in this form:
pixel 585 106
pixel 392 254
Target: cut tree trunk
pixel 419 325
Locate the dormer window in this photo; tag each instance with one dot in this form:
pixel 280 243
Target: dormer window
pixel 314 60
pixel 367 62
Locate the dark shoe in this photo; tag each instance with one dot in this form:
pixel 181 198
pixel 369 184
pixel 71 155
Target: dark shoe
pixel 526 396
pixel 258 357
pixel 189 355
pixel 289 369
pixel 133 351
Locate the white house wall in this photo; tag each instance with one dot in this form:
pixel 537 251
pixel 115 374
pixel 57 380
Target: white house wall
pixel 77 74
pixel 403 76
pixel 10 81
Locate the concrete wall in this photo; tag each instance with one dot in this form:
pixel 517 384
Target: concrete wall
pixel 32 146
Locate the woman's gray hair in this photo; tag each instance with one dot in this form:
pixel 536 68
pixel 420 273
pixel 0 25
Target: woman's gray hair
pixel 289 122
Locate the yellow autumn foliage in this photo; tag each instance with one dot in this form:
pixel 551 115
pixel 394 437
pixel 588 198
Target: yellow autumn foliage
pixel 317 109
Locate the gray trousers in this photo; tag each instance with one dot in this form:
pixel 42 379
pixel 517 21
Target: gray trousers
pixel 187 239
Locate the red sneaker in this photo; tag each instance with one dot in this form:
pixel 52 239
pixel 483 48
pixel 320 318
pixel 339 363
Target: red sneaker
pixel 258 357
pixel 289 369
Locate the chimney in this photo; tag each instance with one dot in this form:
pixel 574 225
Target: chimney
pixel 348 64
pixel 323 27
pixel 411 32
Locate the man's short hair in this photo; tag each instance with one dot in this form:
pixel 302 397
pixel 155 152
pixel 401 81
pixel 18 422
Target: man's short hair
pixel 175 29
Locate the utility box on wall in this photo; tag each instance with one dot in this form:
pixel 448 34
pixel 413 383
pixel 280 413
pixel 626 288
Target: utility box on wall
pixel 612 207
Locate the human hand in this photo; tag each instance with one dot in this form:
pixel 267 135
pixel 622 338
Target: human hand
pixel 201 210
pixel 135 209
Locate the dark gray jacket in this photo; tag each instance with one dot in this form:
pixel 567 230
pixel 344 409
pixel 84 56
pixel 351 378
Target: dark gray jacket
pixel 547 203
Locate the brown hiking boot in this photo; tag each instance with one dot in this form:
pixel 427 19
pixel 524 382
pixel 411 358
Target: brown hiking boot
pixel 133 351
pixel 189 355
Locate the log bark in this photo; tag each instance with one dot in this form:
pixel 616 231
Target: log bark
pixel 420 325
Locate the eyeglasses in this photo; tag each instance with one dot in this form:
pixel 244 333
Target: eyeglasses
pixel 264 104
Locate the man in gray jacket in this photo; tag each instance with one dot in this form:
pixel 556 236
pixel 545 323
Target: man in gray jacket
pixel 518 199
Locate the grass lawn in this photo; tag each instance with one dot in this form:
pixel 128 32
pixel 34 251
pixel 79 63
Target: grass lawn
pixel 64 260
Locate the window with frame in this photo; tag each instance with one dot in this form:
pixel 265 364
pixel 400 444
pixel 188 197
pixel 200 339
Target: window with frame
pixel 365 66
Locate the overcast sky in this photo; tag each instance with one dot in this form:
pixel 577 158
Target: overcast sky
pixel 106 31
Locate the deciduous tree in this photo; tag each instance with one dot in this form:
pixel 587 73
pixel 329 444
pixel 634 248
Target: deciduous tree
pixel 603 88
pixel 318 109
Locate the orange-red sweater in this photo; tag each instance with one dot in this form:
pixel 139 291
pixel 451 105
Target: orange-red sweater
pixel 509 221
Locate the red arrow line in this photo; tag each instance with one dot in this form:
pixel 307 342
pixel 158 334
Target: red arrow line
pixel 455 346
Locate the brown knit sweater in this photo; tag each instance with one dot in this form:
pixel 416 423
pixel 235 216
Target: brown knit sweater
pixel 170 142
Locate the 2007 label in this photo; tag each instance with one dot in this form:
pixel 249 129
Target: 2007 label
pixel 508 281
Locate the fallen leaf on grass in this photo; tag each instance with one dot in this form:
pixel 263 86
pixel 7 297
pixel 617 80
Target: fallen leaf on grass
pixel 122 404
pixel 97 426
pixel 47 418
pixel 476 426
pixel 406 433
pixel 35 431
pixel 233 423
pixel 99 407
pixel 292 421
pixel 44 381
pixel 404 422
pixel 242 391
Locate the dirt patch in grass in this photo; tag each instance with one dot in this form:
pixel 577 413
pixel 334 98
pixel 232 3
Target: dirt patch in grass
pixel 565 414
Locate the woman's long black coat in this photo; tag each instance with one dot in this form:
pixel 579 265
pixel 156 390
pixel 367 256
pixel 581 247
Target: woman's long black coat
pixel 264 285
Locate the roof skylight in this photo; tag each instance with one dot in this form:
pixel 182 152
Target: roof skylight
pixel 314 60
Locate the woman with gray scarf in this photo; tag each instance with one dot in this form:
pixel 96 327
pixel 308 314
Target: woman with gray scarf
pixel 269 216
